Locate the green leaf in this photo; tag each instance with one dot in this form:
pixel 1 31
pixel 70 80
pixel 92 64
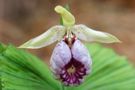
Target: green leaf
pixel 23 71
pixel 110 71
pixel 20 70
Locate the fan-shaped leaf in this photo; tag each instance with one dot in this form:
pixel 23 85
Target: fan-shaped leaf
pixel 20 70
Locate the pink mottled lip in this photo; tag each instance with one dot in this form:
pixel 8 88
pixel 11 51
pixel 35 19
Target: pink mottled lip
pixel 71 64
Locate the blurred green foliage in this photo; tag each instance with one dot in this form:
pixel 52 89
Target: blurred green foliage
pixel 19 70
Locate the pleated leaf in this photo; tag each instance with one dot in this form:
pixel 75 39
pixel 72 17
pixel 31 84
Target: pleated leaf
pixel 20 70
pixel 23 71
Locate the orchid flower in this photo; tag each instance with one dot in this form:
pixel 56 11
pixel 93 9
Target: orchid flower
pixel 70 60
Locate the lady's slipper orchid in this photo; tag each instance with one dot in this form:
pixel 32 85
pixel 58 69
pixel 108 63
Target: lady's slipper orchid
pixel 70 60
pixel 70 64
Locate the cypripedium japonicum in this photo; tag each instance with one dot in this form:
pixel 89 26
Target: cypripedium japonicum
pixel 70 60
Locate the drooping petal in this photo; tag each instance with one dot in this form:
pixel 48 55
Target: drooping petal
pixel 52 35
pixel 81 54
pixel 67 17
pixel 86 34
pixel 60 57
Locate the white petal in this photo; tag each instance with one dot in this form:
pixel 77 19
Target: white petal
pixel 52 35
pixel 61 55
pixel 80 53
pixel 89 35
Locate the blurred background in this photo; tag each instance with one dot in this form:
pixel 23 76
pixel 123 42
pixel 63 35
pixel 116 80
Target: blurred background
pixel 21 20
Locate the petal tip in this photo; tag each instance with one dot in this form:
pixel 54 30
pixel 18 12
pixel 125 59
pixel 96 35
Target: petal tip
pixel 27 46
pixel 114 39
pixel 118 41
pixel 22 46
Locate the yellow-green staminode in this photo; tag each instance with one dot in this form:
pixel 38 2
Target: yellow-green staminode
pixel 67 17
